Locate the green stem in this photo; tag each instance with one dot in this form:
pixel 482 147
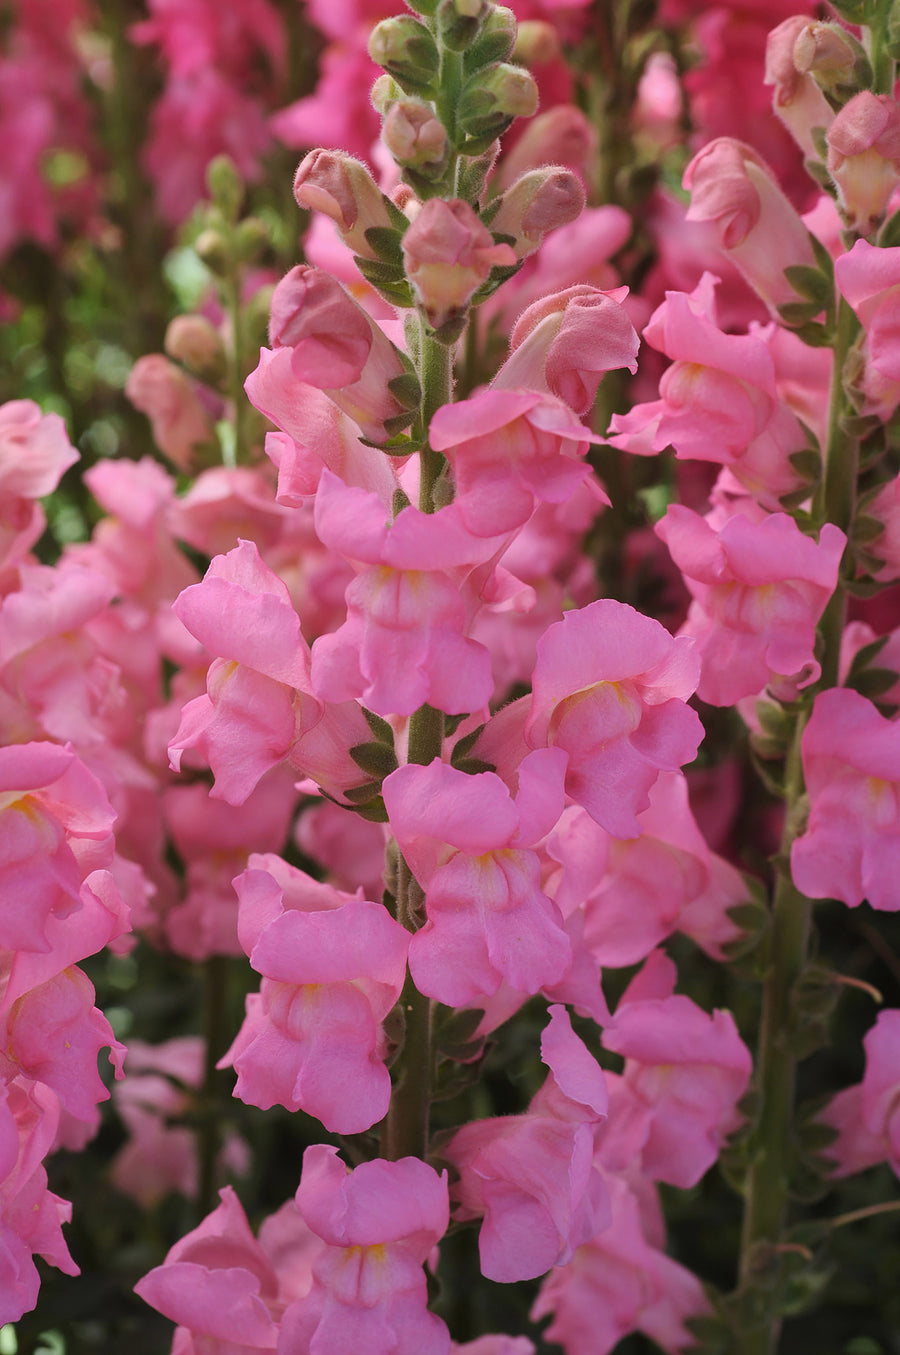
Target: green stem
pixel 767 1187
pixel 238 394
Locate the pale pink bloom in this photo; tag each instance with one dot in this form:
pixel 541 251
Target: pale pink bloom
pixel 179 422
pixel 610 690
pixel 379 1224
pixel 312 1039
pixel 531 1176
pixel 685 1071
pixel 867 1116
pixel 851 847
pixel 350 849
pixel 632 893
pixel 567 342
pixel 259 708
pixel 718 396
pixel 315 433
pixel 337 347
pixel 619 1282
pixel 510 450
pixel 731 185
pixel 409 608
pixel 56 829
pixel 34 450
pixel 705 919
pixel 864 157
pixel 448 254
pixel 227 503
pixel 218 1282
pixel 869 278
pixel 759 589
pixel 31 1217
pixel 797 98
pixel 467 841
pixel 339 112
pixel 158 1157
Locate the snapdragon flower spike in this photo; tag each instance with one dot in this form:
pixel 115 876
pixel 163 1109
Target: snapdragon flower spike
pixel 685 1071
pixel 312 1038
pixel 379 1224
pixel 759 589
pixel 259 708
pixel 531 1176
pixel 467 842
pixel 610 689
pixel 851 847
pixel 567 342
pixel 337 347
pixel 510 450
pixel 762 234
pixel 404 642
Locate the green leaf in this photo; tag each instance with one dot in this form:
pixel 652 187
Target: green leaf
pixel 376 758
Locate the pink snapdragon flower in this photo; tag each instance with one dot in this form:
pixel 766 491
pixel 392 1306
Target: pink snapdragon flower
pixel 378 1224
pixel 35 450
pixel 797 99
pixel 312 1038
pixel 851 847
pixel 531 1176
pixel 179 422
pixel 404 642
pixel 867 1116
pixel 864 157
pixel 566 343
pixel 869 279
pixel 55 829
pixel 342 188
pixel 620 1282
pixel 759 589
pixel 685 1071
pixel 610 690
pixel 510 450
pixel 467 841
pixel 337 347
pixel 762 234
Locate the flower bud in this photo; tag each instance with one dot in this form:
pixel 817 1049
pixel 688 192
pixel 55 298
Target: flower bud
pixel 339 349
pixel 179 422
pixel 537 43
pixel 495 42
pixel 761 232
pixel 493 97
pixel 537 203
pixel 459 22
pixel 384 94
pixel 341 187
pixel 832 56
pixel 448 254
pixel 225 186
pixel 416 138
pixel 407 51
pixel 194 342
pixel 864 158
pixel 797 101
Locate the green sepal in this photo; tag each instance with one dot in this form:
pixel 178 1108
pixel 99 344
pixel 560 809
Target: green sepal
pixel 379 727
pixel 376 758
pixel 494 43
pixel 406 390
pixel 463 747
pixel 386 243
pixel 811 283
pixel 799 313
pixel 358 795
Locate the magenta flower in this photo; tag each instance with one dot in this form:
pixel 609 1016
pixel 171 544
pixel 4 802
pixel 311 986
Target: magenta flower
pixel 867 1116
pixel 467 842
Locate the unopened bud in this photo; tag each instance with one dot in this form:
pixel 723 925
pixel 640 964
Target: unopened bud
pixel 797 100
pixel 537 203
pixel 864 158
pixel 340 187
pixel 212 250
pixel 459 22
pixel 194 341
pixel 384 93
pixel 407 51
pixel 251 237
pixel 495 42
pixel 225 186
pixel 448 254
pixel 493 97
pixel 416 138
pixel 832 55
pixel 168 397
pixel 537 43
